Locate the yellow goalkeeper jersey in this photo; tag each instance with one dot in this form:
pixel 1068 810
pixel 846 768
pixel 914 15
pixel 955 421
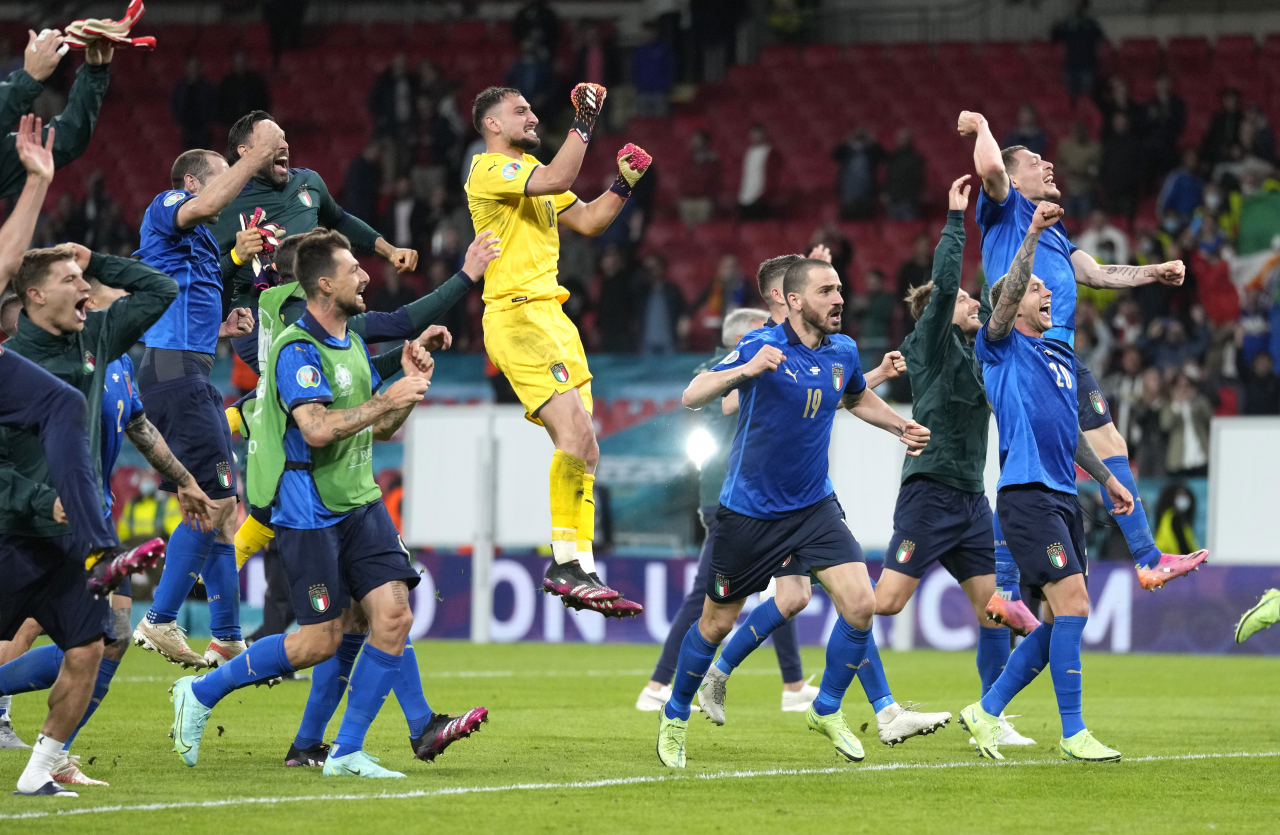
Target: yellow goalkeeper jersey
pixel 528 266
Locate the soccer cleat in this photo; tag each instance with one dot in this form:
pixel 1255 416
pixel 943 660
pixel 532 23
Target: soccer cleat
pixel 899 722
pixel 169 640
pixel 1084 748
pixel 1011 613
pixel 572 583
pixel 444 730
pixel 1266 613
pixel 798 701
pixel 1007 735
pixel 108 568
pixel 711 694
pixel 1170 567
pixel 618 608
pixel 985 729
pixel 189 718
pixel 650 700
pixel 357 764
pixel 49 789
pixel 220 652
pixel 671 733
pixel 834 728
pixel 8 736
pixel 67 770
pixel 312 757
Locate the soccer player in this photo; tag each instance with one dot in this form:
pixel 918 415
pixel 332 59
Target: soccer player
pixel 527 335
pixel 778 513
pixel 1031 387
pixel 1265 614
pixel 1013 180
pixel 335 537
pixel 181 401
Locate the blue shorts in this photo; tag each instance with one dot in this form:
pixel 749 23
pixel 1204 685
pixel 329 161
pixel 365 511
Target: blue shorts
pixel 189 414
pixel 1091 405
pixel 936 523
pixel 1045 533
pixel 747 552
pixel 45 579
pixel 327 567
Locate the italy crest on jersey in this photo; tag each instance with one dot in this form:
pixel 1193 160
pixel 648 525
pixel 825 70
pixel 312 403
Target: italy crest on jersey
pixel 837 376
pixel 1095 398
pixel 560 372
pixel 319 595
pixel 89 363
pixel 905 550
pixel 304 197
pixel 1057 556
pixel 722 586
pixel 224 474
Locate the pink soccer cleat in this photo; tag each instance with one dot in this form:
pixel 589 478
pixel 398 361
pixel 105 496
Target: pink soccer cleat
pixel 443 730
pixel 1011 613
pixel 1171 567
pixel 113 565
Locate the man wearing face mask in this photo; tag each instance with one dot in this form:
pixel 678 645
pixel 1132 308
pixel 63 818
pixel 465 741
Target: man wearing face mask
pixel 148 514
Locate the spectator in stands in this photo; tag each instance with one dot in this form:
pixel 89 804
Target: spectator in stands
pixel 837 244
pixel 653 72
pixel 363 184
pixel 1152 440
pixel 1120 169
pixel 111 234
pixel 391 293
pixel 283 19
pixel 1028 131
pixel 433 144
pixel 615 305
pixel 191 105
pixel 857 186
pixel 1185 419
pixel 533 75
pixel 1094 341
pixel 1261 386
pixel 754 192
pixel 872 318
pixel 664 313
pixel 149 514
pixel 1217 292
pixel 458 319
pixel 728 291
pixel 700 180
pixel 431 84
pixel 1080 34
pixel 1175 520
pixel 1163 120
pixel 597 59
pixel 904 174
pixel 391 99
pixel 536 21
pixel 1183 188
pixel 918 269
pixel 1076 164
pixel 1256 137
pixel 404 223
pixel 241 91
pixel 1166 343
pixel 1224 129
pixel 61 225
pixel 1115 98
pixel 1124 392
pixel 1099 230
pixel 93 209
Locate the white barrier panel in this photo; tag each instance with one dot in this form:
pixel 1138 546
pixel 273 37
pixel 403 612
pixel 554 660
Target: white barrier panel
pixel 1244 491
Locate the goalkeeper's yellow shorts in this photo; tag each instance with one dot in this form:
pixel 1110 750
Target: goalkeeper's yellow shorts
pixel 539 350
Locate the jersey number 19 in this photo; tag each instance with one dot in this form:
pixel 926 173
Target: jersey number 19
pixel 812 402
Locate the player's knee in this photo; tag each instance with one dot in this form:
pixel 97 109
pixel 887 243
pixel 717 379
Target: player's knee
pixel 224 519
pixel 115 650
pixel 715 628
pixel 791 604
pixel 394 623
pixel 84 659
pixel 889 606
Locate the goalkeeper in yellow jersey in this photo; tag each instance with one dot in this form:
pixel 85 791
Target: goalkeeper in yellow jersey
pixel 527 335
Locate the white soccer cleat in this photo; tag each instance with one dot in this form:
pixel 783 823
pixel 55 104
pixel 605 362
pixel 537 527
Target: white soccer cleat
pixel 169 640
pixel 8 736
pixel 798 701
pixel 1006 735
pixel 220 652
pixel 711 694
pixel 899 722
pixel 66 769
pixel 652 700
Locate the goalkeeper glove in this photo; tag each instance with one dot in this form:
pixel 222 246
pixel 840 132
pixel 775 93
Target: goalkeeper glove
pixel 587 100
pixel 633 161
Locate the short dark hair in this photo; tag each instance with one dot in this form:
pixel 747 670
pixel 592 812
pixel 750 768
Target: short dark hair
pixel 242 130
pixel 36 265
pixel 286 256
pixel 313 257
pixel 773 271
pixel 196 162
pixel 1007 156
pixel 917 299
pixel 798 274
pixel 485 101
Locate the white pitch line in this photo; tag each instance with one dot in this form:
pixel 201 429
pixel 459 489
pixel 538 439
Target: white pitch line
pixel 594 784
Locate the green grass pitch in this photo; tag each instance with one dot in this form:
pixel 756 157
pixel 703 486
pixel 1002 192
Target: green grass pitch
pixel 562 718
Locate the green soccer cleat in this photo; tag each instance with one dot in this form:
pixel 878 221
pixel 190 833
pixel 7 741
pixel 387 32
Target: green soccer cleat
pixel 671 734
pixel 189 718
pixel 985 729
pixel 1266 613
pixel 834 728
pixel 357 764
pixel 1085 748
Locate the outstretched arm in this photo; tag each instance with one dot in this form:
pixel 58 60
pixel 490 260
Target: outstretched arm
pixel 558 177
pixel 1115 276
pixel 709 385
pixel 37 159
pixel 594 217
pixel 986 155
pixel 219 193
pixel 867 406
pixel 1019 276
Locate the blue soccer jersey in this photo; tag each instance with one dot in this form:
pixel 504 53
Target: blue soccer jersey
pixel 1032 390
pixel 190 257
pixel 120 404
pixel 778 462
pixel 1004 226
pixel 300 379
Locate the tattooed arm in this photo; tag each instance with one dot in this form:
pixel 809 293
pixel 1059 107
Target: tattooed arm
pixel 321 426
pixel 1113 276
pixel 1014 284
pixel 197 508
pixel 1087 458
pixel 712 384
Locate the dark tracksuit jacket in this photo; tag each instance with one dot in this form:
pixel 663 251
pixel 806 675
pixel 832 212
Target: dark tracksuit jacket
pixel 73 127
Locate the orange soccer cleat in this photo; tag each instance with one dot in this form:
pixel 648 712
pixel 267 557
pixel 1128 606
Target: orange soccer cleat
pixel 1170 567
pixel 1011 613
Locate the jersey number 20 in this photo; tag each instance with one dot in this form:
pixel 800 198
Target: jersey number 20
pixel 1064 376
pixel 812 402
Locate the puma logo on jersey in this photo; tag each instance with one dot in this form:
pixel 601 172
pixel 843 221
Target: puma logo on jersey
pixel 792 373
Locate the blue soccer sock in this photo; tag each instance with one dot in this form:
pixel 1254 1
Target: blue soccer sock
pixel 106 672
pixel 1024 664
pixel 993 654
pixel 1136 530
pixel 696 653
pixel 35 669
pixel 759 625
pixel 1008 577
pixel 846 648
pixel 184 560
pixel 328 682
pixel 1068 675
pixel 871 677
pixel 371 682
pixel 265 659
pixel 222 582
pixel 408 690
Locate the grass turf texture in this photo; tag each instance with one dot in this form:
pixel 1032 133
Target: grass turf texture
pixel 563 714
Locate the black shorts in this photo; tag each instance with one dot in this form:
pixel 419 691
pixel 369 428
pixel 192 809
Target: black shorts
pixel 45 579
pixel 1044 530
pixel 189 414
pixel 747 552
pixel 936 523
pixel 327 567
